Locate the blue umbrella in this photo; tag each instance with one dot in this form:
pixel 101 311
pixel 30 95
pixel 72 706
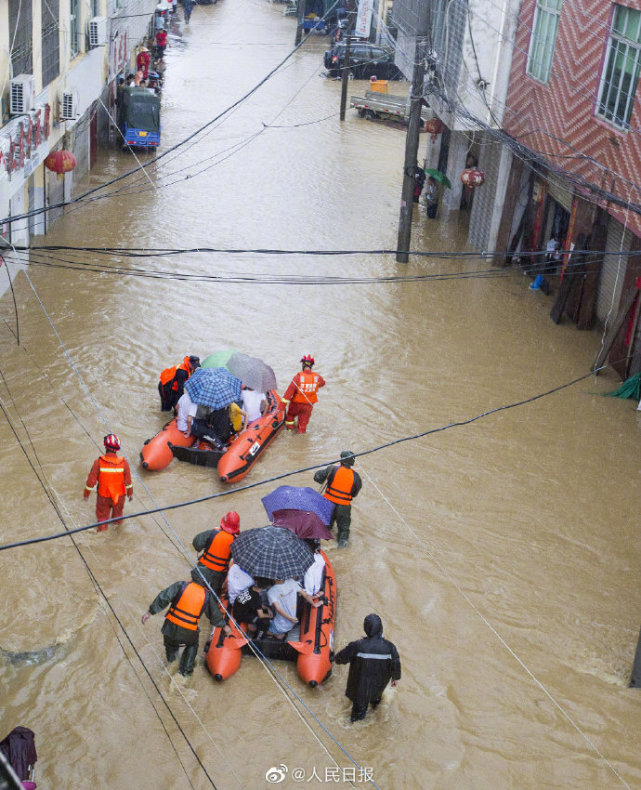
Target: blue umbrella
pixel 296 498
pixel 213 387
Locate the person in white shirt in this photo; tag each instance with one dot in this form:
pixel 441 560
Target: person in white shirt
pixel 314 576
pixel 237 581
pixel 185 413
pixel 283 596
pixel 253 403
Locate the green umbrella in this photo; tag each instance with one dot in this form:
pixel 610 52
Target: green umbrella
pixel 218 359
pixel 440 177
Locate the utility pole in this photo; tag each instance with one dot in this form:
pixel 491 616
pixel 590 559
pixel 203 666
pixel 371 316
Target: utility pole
pixel 346 70
pixel 411 139
pixel 302 8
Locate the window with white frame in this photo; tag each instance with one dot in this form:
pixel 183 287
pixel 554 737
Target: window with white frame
pixel 621 72
pixel 74 28
pixel 543 39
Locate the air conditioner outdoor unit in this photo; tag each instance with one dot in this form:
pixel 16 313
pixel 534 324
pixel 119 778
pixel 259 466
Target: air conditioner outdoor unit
pixel 97 31
pixel 68 107
pixel 23 90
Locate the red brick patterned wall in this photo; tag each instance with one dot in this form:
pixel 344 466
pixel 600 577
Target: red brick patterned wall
pixel 558 119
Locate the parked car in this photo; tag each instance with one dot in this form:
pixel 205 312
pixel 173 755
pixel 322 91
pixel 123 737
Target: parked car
pixel 365 60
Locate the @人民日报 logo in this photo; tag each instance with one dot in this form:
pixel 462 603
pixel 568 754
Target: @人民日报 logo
pixel 276 774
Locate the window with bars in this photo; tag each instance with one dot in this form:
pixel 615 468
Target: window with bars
pixel 74 28
pixel 621 73
pixel 50 16
pixel 543 39
pixel 20 40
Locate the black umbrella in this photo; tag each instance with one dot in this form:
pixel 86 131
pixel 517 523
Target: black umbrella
pixel 273 552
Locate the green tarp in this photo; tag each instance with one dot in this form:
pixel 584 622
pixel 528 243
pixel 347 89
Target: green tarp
pixel 631 388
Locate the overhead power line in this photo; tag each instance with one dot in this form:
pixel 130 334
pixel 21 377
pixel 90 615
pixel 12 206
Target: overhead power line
pixel 274 478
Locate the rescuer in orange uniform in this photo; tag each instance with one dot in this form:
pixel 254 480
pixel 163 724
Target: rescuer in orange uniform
pixel 172 382
pixel 215 545
pixel 301 395
pixel 187 601
pixel 343 484
pixel 113 476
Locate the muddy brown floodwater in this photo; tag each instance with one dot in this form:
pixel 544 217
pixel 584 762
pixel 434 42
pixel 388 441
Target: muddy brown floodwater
pixel 503 556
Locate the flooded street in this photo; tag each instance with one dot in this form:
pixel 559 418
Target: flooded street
pixel 502 555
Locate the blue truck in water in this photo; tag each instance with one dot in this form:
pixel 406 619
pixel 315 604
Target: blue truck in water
pixel 139 117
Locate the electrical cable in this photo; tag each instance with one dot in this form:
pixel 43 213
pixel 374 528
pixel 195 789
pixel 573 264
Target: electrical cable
pixel 282 475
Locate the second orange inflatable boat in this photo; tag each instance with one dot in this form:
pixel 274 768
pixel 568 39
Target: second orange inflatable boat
pixel 312 648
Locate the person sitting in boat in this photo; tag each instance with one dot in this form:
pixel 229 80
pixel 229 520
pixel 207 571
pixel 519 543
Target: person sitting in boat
pixel 250 609
pixel 254 403
pixel 237 581
pixel 237 418
pixel 212 426
pixel 283 597
pixel 186 411
pixel 215 545
pixel 315 574
pixel 172 381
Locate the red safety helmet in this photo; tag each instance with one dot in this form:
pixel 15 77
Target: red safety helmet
pixel 112 442
pixel 308 359
pixel 231 522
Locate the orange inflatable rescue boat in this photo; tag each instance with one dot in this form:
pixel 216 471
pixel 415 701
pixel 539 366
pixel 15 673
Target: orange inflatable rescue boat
pixel 243 450
pixel 156 453
pixel 310 645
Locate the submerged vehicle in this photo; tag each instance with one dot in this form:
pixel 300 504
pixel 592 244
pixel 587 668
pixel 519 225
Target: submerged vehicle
pixel 310 644
pixel 139 117
pixel 232 463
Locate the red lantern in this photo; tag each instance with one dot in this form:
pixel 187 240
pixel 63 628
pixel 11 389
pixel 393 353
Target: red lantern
pixel 60 161
pixel 473 177
pixel 434 126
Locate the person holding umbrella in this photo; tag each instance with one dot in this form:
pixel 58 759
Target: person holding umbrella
pixel 343 484
pixel 431 197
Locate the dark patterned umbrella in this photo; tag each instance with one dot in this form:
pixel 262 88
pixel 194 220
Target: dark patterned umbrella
pixel 273 552
pixel 303 523
pixel 298 498
pixel 213 387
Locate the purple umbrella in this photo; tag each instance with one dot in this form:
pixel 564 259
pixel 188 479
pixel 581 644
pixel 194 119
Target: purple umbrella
pixel 304 523
pixel 298 498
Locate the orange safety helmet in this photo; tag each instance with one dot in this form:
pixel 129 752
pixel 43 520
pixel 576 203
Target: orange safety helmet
pixel 231 522
pixel 308 360
pixel 112 442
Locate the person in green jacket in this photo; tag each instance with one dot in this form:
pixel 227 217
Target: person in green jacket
pixel 187 601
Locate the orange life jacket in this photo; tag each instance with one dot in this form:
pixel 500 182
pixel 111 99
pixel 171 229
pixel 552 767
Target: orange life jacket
pixel 339 490
pixel 216 555
pixel 187 607
pixel 111 477
pixel 168 375
pixel 307 387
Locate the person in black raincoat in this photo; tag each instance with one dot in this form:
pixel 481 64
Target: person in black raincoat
pixel 373 662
